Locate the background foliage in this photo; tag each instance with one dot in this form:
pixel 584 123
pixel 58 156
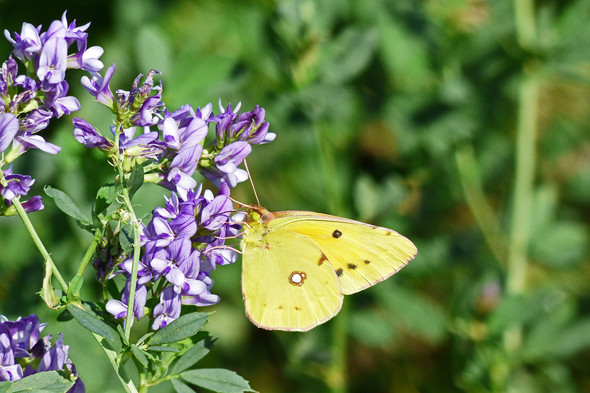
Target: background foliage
pixel 462 124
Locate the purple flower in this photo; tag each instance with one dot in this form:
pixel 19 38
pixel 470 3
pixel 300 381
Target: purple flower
pixel 27 42
pixel 17 185
pixel 61 104
pixel 53 61
pixel 21 344
pixel 99 87
pixel 159 231
pixel 8 74
pixel 175 261
pixel 34 204
pixel 247 126
pixel 87 135
pixel 168 309
pixel 36 120
pixel 216 213
pixel 128 140
pixel 8 130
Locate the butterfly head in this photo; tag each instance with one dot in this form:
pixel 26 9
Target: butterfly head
pixel 259 215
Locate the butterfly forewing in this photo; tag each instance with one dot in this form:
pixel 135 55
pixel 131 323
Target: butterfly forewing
pixel 286 282
pixel 360 254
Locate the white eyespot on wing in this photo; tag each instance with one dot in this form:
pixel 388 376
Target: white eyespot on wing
pixel 297 278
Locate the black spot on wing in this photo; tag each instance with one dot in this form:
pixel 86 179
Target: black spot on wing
pixel 339 272
pixel 367 261
pixel 336 234
pixel 351 266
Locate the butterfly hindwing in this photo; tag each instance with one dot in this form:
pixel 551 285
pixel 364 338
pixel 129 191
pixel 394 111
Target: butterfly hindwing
pixel 287 283
pixel 360 254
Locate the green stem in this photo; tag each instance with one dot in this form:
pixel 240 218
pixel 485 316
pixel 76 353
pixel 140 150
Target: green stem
pixel 526 135
pixel 89 253
pixel 135 266
pixel 337 373
pixel 119 162
pixel 37 240
pixel 523 197
pixel 478 204
pixel 524 12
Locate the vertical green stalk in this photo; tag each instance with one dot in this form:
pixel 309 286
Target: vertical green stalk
pixel 524 14
pixel 526 135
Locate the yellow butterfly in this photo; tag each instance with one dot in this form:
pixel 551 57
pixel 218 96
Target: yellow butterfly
pixel 297 265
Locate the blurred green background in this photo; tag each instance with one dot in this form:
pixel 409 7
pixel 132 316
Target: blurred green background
pixel 462 124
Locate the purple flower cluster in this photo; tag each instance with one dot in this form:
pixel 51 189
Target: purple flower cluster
pixel 32 99
pixel 171 259
pixel 21 346
pixel 185 240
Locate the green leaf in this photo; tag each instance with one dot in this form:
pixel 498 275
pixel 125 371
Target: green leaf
pixel 217 379
pixel 186 326
pixel 67 205
pixel 347 55
pixel 161 348
pixel 135 180
pixel 181 387
pixel 198 351
pixel 422 316
pixel 371 328
pixel 75 286
pixel 139 355
pixel 521 309
pixel 104 197
pixel 48 381
pixel 126 238
pixel 92 323
pixel 573 339
pixel 561 244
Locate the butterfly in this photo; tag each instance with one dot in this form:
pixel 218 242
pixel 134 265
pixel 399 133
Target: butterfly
pixel 298 265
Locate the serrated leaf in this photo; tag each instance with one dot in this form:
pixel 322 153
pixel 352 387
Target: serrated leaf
pixel 92 323
pixel 217 379
pixel 139 355
pixel 193 355
pixel 67 205
pixel 186 326
pixel 135 180
pixel 181 387
pixel 47 381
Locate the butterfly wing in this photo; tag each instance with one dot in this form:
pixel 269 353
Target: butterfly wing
pixel 360 254
pixel 286 283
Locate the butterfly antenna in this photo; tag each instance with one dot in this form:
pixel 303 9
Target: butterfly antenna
pixel 251 182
